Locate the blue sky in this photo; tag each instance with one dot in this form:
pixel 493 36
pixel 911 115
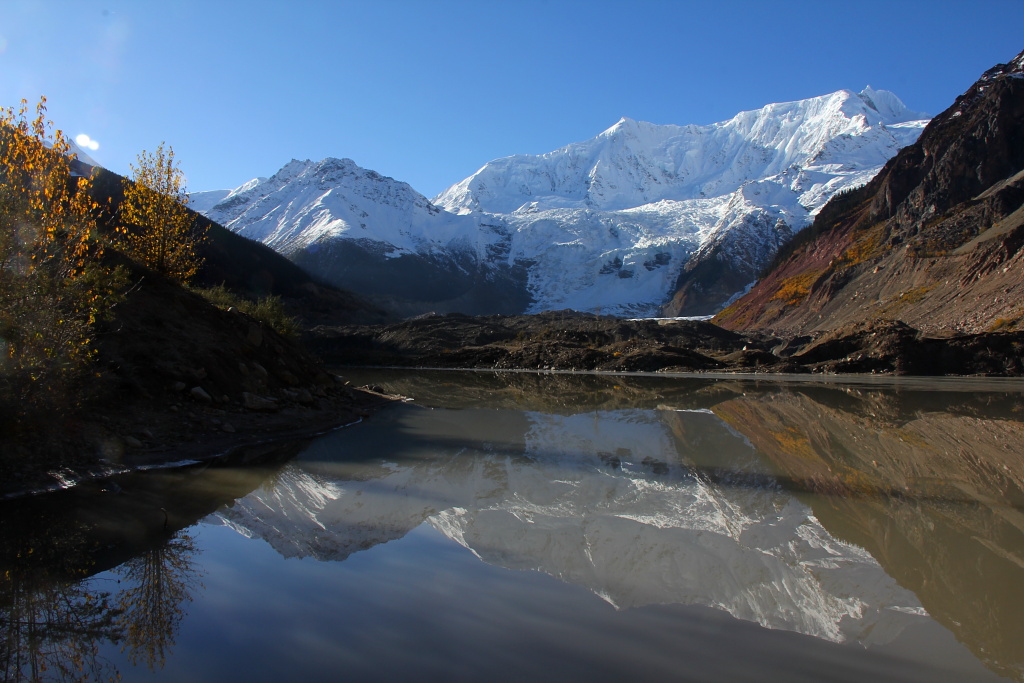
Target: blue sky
pixel 429 91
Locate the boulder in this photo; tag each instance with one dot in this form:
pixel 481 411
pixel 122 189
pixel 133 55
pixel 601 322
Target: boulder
pixel 200 394
pixel 259 403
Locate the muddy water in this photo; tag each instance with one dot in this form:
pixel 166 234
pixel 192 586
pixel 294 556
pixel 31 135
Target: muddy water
pixel 551 528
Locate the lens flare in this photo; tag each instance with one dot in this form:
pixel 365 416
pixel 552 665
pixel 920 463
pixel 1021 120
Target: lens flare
pixel 86 142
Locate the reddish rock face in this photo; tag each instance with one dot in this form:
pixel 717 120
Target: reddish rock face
pixel 933 241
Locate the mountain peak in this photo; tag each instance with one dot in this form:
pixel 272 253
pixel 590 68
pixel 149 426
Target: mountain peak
pixel 78 153
pixel 1014 69
pixel 624 123
pixel 889 106
pixel 635 163
pixel 603 224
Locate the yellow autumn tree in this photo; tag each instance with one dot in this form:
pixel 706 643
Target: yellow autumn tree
pixel 52 284
pixel 158 229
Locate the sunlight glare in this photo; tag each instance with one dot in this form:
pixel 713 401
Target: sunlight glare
pixel 86 142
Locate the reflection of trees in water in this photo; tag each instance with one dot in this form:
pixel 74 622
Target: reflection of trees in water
pixel 53 622
pixel 152 609
pixel 52 633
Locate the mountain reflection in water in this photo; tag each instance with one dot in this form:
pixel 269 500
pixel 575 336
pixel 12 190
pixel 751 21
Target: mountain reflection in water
pixel 857 513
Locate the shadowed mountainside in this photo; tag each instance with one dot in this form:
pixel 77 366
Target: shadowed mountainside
pixel 175 376
pixel 247 267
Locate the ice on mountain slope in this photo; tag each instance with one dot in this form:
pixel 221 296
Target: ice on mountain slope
pixel 671 190
pixel 626 262
pixel 307 202
pixel 202 202
pixel 635 163
pixel 605 225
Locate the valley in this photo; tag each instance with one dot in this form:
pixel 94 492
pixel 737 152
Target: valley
pixel 555 341
pixel 839 234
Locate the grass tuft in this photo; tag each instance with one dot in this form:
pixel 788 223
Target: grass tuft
pixel 268 310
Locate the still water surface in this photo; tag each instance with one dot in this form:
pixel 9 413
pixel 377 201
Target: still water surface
pixel 554 528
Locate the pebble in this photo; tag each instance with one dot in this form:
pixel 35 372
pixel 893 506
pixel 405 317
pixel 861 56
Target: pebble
pixel 200 394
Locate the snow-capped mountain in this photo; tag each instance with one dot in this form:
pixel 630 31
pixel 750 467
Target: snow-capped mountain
pixel 616 224
pixel 306 202
pixel 633 163
pixel 372 234
pixel 80 154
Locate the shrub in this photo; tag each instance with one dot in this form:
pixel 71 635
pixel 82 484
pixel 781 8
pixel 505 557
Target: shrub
pixel 793 290
pixel 268 310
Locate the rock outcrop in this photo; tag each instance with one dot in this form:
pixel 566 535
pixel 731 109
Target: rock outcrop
pixel 933 241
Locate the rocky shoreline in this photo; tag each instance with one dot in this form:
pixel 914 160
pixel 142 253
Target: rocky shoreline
pixel 174 379
pixel 221 404
pixel 571 341
pixel 187 430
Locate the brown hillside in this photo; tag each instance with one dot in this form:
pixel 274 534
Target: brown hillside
pixel 934 241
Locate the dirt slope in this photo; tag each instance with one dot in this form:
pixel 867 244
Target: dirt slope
pixel 934 241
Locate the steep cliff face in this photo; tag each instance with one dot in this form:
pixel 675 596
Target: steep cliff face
pixel 933 241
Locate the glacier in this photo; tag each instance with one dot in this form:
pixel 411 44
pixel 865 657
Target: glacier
pixel 640 220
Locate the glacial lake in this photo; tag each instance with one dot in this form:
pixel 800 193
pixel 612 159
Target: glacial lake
pixel 549 527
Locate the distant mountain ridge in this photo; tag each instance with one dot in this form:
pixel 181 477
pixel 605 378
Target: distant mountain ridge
pixel 933 242
pixel 614 224
pixel 635 163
